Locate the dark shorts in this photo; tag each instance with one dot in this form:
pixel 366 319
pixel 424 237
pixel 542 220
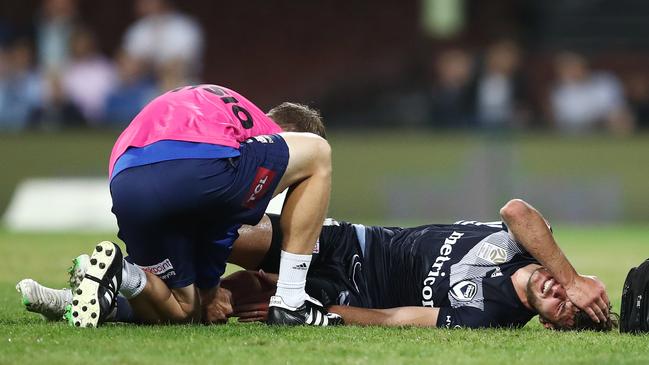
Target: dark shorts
pixel 337 272
pixel 179 218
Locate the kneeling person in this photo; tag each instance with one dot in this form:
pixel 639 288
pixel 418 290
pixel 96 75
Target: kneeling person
pixel 192 167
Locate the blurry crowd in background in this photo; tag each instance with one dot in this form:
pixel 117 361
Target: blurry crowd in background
pixel 54 75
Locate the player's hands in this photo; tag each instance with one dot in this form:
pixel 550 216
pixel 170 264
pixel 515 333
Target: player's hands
pixel 217 306
pixel 589 294
pixel 251 312
pixel 250 293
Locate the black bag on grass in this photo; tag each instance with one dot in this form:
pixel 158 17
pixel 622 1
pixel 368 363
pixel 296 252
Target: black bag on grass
pixel 634 317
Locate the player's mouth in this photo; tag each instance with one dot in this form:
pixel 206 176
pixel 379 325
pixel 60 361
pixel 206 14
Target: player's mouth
pixel 547 285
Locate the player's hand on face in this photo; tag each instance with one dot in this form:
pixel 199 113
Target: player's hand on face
pixel 217 306
pixel 589 294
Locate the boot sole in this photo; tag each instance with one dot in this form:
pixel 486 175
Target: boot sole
pixel 84 310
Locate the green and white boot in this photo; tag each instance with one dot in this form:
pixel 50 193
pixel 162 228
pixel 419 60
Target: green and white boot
pixel 50 303
pixel 78 270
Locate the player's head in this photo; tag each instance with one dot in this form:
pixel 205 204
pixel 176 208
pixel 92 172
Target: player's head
pixel 294 117
pixel 550 300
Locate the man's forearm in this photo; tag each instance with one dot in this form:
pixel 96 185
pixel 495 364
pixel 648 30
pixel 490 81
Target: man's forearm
pixel 530 229
pixel 392 317
pixel 360 316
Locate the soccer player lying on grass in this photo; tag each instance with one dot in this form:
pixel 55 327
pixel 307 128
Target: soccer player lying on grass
pixel 467 274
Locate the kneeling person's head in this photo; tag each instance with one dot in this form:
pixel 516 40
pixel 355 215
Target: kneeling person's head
pixel 293 117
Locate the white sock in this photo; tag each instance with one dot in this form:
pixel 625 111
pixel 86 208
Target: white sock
pixel 292 278
pixel 133 280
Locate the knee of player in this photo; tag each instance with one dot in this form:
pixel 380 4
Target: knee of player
pixel 324 149
pixel 322 153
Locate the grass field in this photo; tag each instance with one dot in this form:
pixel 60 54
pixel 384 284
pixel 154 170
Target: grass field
pixel 26 339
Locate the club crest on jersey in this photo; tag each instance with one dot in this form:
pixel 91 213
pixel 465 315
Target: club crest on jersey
pixel 492 253
pixel 259 187
pixel 464 291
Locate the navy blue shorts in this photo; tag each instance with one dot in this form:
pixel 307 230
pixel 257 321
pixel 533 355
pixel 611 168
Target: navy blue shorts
pixel 179 218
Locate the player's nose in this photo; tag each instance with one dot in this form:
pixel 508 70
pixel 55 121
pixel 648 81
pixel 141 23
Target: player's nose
pixel 558 291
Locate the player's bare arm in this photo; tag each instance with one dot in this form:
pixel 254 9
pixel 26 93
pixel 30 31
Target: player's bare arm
pixel 250 248
pixel 530 229
pixel 392 317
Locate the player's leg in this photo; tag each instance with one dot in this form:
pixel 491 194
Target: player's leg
pixel 157 304
pixel 270 164
pixel 160 288
pixel 308 176
pixel 146 201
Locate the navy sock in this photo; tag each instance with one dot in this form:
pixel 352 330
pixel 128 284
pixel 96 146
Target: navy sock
pixel 124 311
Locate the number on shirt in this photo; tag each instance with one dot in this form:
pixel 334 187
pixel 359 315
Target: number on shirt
pixel 243 115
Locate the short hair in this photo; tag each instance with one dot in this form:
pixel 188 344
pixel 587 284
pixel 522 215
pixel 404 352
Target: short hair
pixel 293 117
pixel 583 322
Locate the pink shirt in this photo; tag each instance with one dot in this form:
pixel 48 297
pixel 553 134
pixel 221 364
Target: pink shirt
pixel 203 113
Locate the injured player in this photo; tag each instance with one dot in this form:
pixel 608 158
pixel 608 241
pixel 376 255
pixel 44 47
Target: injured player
pixel 467 274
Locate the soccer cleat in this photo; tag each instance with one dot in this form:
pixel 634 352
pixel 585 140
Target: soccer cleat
pixel 50 303
pixel 311 313
pixel 95 297
pixel 78 270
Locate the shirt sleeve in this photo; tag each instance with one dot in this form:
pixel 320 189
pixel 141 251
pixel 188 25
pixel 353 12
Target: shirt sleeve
pixel 463 317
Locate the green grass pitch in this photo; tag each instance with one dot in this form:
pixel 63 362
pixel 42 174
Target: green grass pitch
pixel 25 339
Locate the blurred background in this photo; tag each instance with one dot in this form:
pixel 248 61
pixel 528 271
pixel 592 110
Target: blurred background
pixel 436 109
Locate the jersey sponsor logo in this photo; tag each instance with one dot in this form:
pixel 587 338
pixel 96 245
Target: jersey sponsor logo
pixel 162 269
pixel 260 185
pixel 464 291
pixel 492 253
pixel 436 268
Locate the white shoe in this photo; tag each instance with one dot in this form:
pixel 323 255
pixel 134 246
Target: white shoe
pixel 50 303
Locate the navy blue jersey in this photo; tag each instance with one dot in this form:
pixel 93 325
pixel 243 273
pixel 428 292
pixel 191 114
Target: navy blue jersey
pixel 464 269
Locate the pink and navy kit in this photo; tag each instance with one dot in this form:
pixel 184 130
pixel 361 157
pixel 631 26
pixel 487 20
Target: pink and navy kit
pixel 186 174
pixel 204 114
